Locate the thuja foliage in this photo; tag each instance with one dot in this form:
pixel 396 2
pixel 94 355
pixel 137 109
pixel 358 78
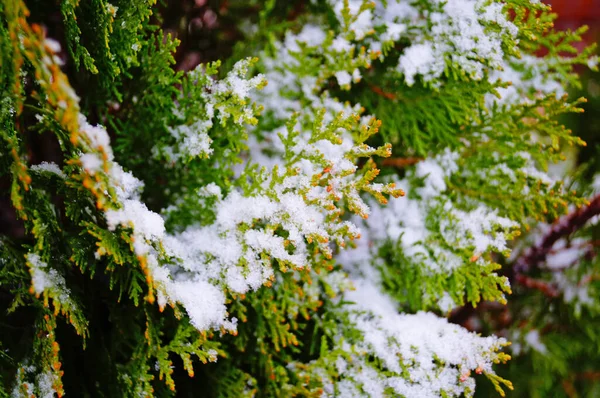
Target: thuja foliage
pixel 295 219
pixel 552 316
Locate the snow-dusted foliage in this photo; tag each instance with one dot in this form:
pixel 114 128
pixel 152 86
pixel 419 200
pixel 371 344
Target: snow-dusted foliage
pixel 423 354
pixel 305 219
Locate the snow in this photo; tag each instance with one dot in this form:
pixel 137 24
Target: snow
pixel 236 84
pixel 40 279
pixel 434 176
pixel 340 44
pixel 439 248
pixel 442 33
pixel 394 31
pixel 126 185
pixel 211 189
pixel 532 338
pixel 91 163
pixel 416 339
pixel 43 386
pixel 343 78
pixel 312 35
pixel 192 134
pixel 194 138
pixel 419 59
pixel 293 216
pixel 49 167
pixel 477 228
pixel 53 45
pixel 527 75
pixel 45 278
pixel 561 258
pixel 445 303
pixel 97 136
pixel 228 255
pixel 362 24
pixel 596 183
pixel 145 223
pixel 574 290
pixel 204 303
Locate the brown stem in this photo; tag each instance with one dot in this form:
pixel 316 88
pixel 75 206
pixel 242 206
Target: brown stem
pixel 401 162
pixel 589 375
pixel 379 91
pixel 545 287
pixel 565 226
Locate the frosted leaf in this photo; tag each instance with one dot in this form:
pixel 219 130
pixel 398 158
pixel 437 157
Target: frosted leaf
pixel 47 279
pixel 192 131
pixel 526 75
pixel 481 228
pixel 443 32
pixel 42 384
pixel 40 278
pixel 363 21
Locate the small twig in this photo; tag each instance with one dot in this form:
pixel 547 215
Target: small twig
pixel 569 388
pixel 588 279
pixel 401 162
pixel 545 287
pixel 589 375
pixel 379 91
